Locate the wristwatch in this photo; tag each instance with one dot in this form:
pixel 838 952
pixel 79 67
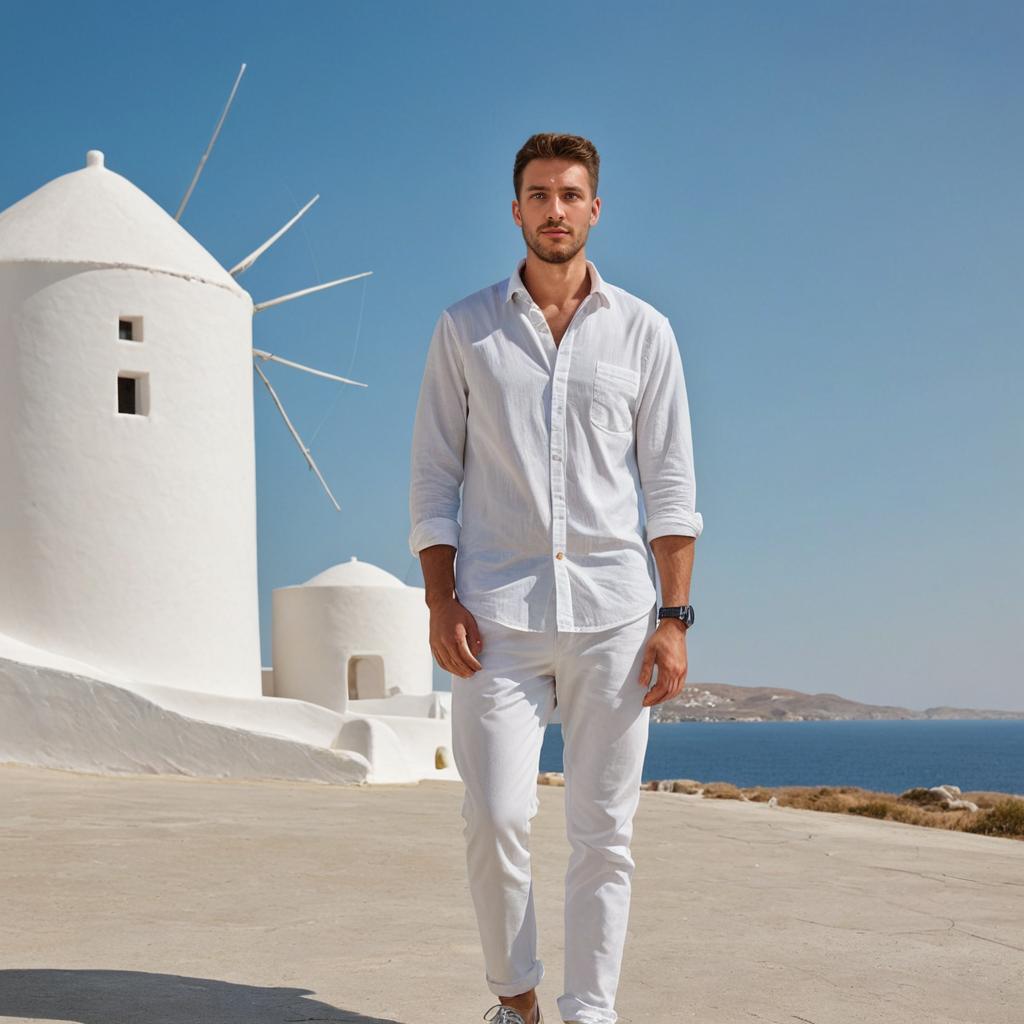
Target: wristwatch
pixel 684 612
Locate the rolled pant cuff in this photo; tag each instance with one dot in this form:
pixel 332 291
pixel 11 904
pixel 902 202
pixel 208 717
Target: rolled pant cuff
pixel 577 1012
pixel 530 980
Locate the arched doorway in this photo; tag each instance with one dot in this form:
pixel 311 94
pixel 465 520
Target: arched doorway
pixel 366 677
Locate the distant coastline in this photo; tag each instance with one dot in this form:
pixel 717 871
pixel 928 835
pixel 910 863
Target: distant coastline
pixel 721 702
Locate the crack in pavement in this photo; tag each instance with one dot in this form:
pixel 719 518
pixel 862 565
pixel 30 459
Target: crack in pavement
pixel 942 875
pixel 840 927
pixel 951 926
pixel 984 938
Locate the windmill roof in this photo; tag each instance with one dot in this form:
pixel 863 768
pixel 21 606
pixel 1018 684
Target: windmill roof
pixel 354 573
pixel 96 216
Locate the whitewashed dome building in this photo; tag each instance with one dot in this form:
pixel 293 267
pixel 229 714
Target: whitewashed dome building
pixel 127 467
pixel 355 638
pixel 129 614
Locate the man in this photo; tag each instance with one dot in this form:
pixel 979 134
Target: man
pixel 557 402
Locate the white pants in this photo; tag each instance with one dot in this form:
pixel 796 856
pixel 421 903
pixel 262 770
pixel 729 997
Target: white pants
pixel 498 718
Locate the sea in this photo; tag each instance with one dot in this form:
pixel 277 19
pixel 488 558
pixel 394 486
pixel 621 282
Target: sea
pixel 888 756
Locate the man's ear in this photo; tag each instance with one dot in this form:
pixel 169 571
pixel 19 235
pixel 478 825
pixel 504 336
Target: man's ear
pixel 515 213
pixel 595 211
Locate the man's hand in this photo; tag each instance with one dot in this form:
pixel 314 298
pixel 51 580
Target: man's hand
pixel 455 638
pixel 667 649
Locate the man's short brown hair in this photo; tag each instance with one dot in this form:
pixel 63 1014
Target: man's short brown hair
pixel 550 145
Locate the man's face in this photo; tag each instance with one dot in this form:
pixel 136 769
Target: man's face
pixel 555 209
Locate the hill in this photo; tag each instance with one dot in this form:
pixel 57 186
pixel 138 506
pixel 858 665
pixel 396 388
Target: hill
pixel 720 702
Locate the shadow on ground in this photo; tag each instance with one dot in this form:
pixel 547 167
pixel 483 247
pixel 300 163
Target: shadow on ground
pixel 137 997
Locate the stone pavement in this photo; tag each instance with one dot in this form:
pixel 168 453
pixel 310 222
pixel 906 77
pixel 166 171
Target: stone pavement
pixel 171 900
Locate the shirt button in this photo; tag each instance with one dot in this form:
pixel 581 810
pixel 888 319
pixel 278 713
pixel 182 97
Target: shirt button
pixel 557 457
pixel 560 555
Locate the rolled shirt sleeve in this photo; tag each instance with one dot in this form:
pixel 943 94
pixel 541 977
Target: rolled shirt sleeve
pixel 438 443
pixel 664 444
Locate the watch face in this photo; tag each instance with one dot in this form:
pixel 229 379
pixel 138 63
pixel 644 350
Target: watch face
pixel 685 616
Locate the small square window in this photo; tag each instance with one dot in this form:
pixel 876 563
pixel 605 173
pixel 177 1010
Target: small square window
pixel 133 394
pixel 129 328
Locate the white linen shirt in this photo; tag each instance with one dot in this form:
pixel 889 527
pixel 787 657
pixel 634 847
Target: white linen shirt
pixel 570 457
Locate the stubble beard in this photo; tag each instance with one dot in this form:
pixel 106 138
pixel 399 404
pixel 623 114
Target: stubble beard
pixel 559 255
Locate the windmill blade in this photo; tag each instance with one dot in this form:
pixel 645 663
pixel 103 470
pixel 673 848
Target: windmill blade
pixel 209 148
pixel 249 260
pixel 307 291
pixel 309 369
pixel 295 434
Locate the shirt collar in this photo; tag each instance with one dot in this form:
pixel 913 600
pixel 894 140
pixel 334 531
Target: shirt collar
pixel 597 285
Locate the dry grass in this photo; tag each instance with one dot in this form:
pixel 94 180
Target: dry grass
pixel 998 814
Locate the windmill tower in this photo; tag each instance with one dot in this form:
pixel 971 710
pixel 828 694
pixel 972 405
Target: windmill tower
pixel 127 463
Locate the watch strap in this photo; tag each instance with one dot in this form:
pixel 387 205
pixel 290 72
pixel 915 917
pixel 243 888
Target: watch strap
pixel 683 612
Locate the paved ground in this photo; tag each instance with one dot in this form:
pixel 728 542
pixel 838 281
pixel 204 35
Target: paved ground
pixel 167 900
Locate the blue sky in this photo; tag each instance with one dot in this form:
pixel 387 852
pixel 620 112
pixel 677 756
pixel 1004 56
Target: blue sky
pixel 824 198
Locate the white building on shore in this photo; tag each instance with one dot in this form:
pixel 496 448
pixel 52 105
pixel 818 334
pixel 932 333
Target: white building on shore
pixel 128 582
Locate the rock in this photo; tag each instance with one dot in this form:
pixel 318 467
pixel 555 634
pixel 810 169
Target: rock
pixel 442 758
pixel 923 797
pixel 949 796
pixel 961 805
pixel 773 801
pixel 686 786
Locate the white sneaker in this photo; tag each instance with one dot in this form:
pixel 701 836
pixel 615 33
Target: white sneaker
pixel 507 1015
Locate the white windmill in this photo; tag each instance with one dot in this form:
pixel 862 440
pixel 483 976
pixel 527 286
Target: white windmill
pixel 245 264
pixel 129 612
pixel 128 538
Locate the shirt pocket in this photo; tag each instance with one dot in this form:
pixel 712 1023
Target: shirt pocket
pixel 614 397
